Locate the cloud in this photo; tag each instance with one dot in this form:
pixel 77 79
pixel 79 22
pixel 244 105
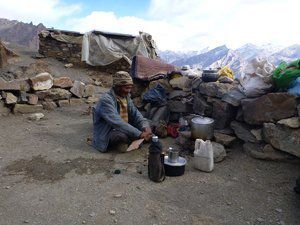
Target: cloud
pixel 48 12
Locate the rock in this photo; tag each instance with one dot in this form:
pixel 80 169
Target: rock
pixel 233 97
pixel 224 139
pixel 16 85
pixel 89 90
pixel 32 99
pixel 36 116
pixel 298 109
pixel 117 195
pixel 163 82
pixel 242 131
pixel 100 90
pixel 24 108
pixel 76 101
pixel 200 106
pixel 138 88
pixel 91 100
pixel 112 212
pixel 267 152
pixel 54 94
pixel 214 89
pixel 23 97
pixel 283 138
pixel 257 133
pixel 49 105
pixel 225 79
pixel 268 108
pixel 62 103
pixel 179 82
pixel 10 98
pixel 179 107
pixel 69 65
pixel 4 111
pixel 178 94
pixel 223 113
pixel 240 115
pixel 42 81
pixel 219 152
pixel 78 88
pixel 63 82
pixel 293 122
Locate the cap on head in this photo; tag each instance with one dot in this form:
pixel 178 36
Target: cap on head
pixel 121 78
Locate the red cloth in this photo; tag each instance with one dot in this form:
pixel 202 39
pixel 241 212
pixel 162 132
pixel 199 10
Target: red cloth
pixel 172 130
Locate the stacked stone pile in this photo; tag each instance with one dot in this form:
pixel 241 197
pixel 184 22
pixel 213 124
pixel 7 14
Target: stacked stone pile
pixel 43 92
pixel 268 125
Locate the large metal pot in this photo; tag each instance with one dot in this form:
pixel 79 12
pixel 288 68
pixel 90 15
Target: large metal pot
pixel 202 128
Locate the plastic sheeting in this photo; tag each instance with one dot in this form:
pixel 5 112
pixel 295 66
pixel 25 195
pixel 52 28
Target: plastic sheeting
pixel 101 49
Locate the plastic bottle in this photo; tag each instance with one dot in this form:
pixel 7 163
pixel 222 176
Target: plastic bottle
pixel 156 170
pixel 203 155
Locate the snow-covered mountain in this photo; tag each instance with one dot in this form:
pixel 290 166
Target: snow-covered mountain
pixel 237 59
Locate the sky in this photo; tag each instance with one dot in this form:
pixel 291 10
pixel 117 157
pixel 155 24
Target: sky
pixel 178 25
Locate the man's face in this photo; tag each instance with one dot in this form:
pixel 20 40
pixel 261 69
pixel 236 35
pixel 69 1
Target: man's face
pixel 123 90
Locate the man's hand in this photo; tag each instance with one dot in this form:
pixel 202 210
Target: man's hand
pixel 146 135
pixel 148 130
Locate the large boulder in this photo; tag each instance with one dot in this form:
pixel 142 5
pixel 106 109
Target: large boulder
pixel 42 81
pixel 54 94
pixel 243 131
pixel 269 108
pixel 223 113
pixel 214 89
pixel 219 152
pixel 283 138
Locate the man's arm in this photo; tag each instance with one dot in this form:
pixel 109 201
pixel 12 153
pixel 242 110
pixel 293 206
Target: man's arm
pixel 110 114
pixel 137 118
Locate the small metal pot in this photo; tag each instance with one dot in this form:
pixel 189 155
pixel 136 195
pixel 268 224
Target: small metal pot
pixel 202 128
pixel 173 155
pixel 174 169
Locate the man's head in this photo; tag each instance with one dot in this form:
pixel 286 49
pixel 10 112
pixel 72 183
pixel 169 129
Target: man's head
pixel 122 83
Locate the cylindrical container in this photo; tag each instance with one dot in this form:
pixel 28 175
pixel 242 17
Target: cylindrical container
pixel 173 155
pixel 202 128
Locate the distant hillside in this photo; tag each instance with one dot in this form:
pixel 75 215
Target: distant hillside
pixel 20 33
pixel 236 59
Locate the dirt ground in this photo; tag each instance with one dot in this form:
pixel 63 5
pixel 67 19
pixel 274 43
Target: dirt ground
pixel 50 176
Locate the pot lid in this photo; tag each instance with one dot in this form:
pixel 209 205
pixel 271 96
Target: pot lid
pixel 181 161
pixel 202 120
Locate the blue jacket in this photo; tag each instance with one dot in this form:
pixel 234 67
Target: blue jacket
pixel 106 117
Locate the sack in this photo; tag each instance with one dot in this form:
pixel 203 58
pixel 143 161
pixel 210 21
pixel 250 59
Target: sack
pixel 156 169
pixel 156 96
pixel 285 73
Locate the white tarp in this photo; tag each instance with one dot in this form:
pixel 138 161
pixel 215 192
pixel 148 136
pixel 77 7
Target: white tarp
pixel 101 49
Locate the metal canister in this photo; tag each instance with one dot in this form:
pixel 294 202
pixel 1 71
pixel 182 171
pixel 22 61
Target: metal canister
pixel 173 155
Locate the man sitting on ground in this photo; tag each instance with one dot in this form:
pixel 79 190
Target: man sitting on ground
pixel 116 120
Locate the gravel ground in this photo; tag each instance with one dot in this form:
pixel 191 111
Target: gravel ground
pixel 49 175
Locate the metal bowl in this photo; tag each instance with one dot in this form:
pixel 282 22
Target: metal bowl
pixel 174 169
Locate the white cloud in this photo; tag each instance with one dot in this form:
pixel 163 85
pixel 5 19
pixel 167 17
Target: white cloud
pixel 48 12
pixel 176 24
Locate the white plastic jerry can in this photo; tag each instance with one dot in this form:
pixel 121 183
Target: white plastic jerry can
pixel 203 155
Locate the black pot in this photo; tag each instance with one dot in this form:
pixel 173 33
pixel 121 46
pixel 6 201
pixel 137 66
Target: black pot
pixel 174 169
pixel 210 77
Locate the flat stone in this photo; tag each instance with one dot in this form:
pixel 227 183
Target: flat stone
pixel 179 82
pixel 293 122
pixel 78 89
pixel 49 105
pixel 225 79
pixel 54 94
pixel 201 107
pixel 4 111
pixel 36 116
pixel 15 85
pixel 267 152
pixel 62 103
pixel 234 97
pixel 219 152
pixel 10 98
pixel 42 81
pixel 32 99
pixel 178 94
pixel 223 113
pixel 76 101
pixel 89 90
pixel 283 138
pixel 243 131
pixel 63 82
pixel 214 89
pixel 24 108
pixel 224 139
pixel 269 108
pixel 92 100
pixel 69 65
